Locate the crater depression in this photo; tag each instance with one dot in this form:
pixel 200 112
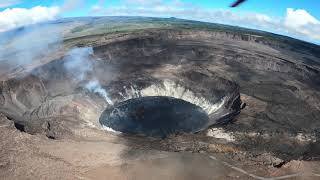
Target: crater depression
pixel 155 116
pixel 158 77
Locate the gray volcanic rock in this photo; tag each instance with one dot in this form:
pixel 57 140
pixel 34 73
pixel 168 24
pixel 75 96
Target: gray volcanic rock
pixel 213 67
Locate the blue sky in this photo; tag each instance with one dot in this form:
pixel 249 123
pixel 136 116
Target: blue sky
pixel 269 7
pixel 296 18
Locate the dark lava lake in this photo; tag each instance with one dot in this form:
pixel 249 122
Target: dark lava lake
pixel 156 116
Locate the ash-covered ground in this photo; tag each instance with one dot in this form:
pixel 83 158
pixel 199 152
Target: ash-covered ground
pixel 259 90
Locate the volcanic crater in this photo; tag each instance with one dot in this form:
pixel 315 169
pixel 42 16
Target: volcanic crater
pixel 137 68
pixel 188 85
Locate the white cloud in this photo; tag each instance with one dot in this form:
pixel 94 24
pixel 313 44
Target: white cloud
pixel 301 23
pixel 298 18
pixel 17 17
pixel 298 23
pixel 11 18
pixel 8 3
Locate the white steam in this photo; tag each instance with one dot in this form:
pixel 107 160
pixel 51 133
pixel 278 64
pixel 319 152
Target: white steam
pixel 28 45
pixel 94 86
pixel 78 63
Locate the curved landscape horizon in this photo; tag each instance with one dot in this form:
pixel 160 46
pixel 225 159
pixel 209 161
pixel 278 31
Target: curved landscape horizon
pixel 158 17
pixel 131 97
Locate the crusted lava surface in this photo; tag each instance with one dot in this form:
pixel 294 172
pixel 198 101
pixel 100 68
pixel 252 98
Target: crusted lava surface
pixel 157 116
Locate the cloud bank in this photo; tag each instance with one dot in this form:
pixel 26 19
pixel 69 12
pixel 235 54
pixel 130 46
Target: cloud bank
pixel 302 23
pixel 16 17
pixel 11 18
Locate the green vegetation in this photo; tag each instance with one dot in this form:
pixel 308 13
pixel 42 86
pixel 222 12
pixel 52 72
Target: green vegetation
pixel 97 26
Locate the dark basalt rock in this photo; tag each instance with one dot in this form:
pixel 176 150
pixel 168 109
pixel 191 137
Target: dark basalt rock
pixel 278 76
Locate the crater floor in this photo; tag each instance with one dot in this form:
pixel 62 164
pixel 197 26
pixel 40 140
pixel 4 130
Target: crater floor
pixel 157 116
pixel 50 107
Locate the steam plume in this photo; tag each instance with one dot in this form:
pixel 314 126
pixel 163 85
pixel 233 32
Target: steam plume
pixel 78 63
pixel 95 86
pixel 27 46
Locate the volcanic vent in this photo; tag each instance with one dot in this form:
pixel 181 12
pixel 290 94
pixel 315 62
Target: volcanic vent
pixel 155 116
pixel 158 72
pixel 155 82
pixel 151 78
pixel 166 108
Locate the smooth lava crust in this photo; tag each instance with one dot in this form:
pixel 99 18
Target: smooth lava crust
pixel 157 116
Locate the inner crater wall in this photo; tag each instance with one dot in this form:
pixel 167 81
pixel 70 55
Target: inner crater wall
pixel 199 67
